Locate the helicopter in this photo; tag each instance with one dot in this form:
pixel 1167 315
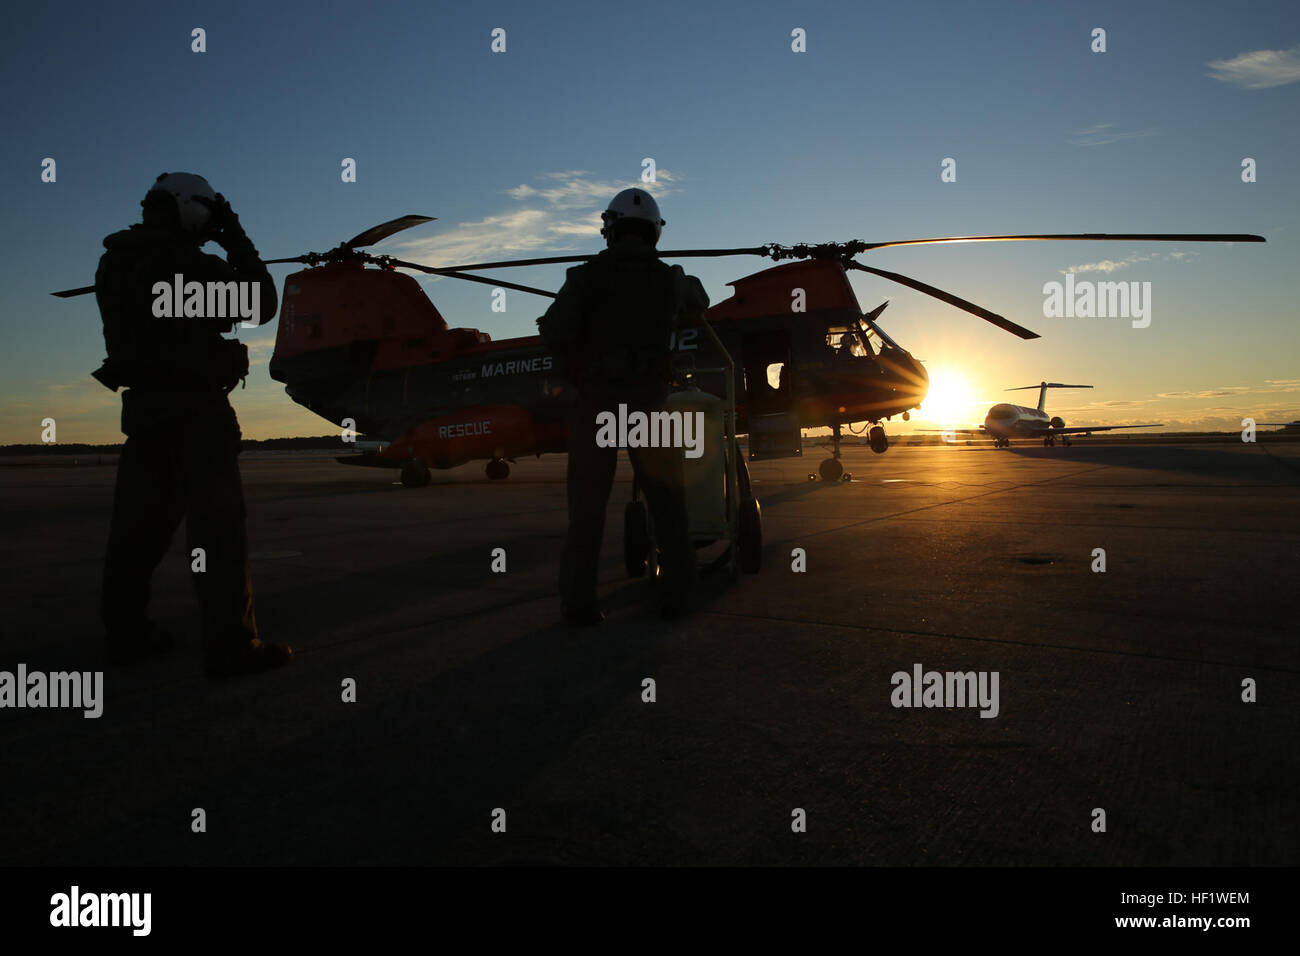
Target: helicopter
pixel 363 346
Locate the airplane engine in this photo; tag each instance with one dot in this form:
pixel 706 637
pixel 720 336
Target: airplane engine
pixel 1058 422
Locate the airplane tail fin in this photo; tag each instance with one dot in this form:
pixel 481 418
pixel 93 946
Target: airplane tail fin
pixel 1042 391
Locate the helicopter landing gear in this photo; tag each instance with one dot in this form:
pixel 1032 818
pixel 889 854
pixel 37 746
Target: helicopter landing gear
pixel 1049 441
pixel 831 469
pixel 879 440
pixel 415 474
pixel 1065 440
pixel 497 470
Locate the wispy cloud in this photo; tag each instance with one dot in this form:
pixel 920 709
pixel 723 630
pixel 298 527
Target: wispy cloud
pixel 1258 69
pixel 259 350
pixel 1114 265
pixel 1218 418
pixel 1099 413
pixel 1224 392
pixel 1268 387
pixel 575 189
pixel 558 212
pixel 1103 134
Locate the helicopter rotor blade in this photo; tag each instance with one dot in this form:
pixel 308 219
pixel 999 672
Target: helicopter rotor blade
pixel 1115 236
pixel 512 263
pixel 485 280
pixel 713 253
pixel 69 293
pixel 1000 321
pixel 369 237
pixel 385 229
pixel 556 260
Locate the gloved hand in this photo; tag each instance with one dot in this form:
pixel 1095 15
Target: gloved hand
pixel 223 226
pixel 230 364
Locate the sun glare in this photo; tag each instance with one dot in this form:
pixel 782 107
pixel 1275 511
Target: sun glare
pixel 950 400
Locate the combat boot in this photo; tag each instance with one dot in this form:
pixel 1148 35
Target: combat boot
pixel 130 647
pixel 259 656
pixel 582 616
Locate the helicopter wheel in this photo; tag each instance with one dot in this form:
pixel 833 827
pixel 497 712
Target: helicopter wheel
pixel 497 470
pixel 830 469
pixel 1049 441
pixel 415 474
pixel 1065 440
pixel 879 440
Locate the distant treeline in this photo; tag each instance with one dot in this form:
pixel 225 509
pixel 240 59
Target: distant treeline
pixel 249 444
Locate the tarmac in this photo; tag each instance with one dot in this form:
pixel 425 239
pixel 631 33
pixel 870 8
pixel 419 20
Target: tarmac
pixel 1119 691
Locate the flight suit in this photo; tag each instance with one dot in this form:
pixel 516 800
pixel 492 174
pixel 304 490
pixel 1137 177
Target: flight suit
pixel 611 325
pixel 182 437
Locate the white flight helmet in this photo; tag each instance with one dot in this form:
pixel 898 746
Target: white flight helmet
pixel 194 216
pixel 632 204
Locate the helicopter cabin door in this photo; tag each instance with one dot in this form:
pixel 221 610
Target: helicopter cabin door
pixel 769 395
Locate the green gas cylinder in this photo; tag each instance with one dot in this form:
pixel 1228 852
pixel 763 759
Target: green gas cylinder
pixel 704 464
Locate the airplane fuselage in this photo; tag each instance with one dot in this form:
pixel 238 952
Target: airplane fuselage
pixel 1017 421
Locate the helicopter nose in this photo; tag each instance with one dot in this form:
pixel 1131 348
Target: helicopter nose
pixel 912 377
pixel 922 376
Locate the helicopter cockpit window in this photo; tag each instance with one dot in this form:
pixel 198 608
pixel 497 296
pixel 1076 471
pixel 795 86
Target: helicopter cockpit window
pixel 874 341
pixel 844 342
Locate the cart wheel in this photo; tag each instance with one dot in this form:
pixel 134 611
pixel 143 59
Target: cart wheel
pixel 742 472
pixel 636 538
pixel 751 536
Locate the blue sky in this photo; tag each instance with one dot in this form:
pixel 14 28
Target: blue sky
pixel 515 153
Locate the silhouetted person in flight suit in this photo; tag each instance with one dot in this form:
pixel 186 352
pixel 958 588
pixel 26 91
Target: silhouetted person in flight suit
pixel 182 438
pixel 611 323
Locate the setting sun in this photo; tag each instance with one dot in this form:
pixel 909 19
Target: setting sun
pixel 950 400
